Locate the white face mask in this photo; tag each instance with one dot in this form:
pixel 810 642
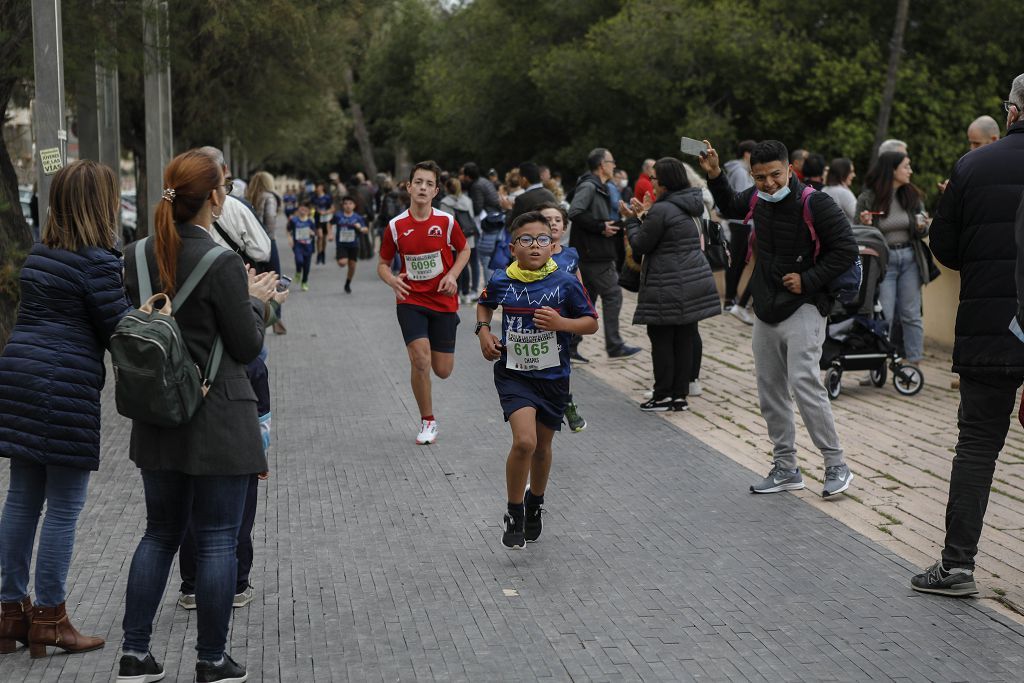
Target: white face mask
pixel 773 198
pixel 621 183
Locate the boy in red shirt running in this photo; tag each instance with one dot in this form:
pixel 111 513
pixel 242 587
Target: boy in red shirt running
pixel 426 288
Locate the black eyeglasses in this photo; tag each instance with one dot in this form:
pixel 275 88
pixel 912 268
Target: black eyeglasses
pixel 529 240
pixel 229 186
pixel 1007 104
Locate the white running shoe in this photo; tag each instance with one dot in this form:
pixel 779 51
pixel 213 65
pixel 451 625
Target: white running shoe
pixel 428 432
pixel 741 313
pixel 649 394
pixel 695 388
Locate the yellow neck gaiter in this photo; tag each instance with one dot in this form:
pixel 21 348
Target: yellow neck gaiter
pixel 523 275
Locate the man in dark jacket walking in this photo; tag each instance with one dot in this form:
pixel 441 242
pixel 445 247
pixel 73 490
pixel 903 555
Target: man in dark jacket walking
pixel 535 195
pixel 791 299
pixel 973 232
pixel 594 236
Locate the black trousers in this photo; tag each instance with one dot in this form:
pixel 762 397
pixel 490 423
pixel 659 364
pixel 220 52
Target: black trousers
pixel 986 407
pixel 698 354
pixel 244 552
pixel 739 237
pixel 672 354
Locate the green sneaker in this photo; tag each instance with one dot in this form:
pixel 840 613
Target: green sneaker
pixel 574 419
pixel 305 287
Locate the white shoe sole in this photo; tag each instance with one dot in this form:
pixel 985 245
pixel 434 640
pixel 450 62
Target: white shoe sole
pixel 949 592
pixel 780 488
pixel 189 606
pixel 144 678
pixel 835 493
pixel 513 547
pixel 426 442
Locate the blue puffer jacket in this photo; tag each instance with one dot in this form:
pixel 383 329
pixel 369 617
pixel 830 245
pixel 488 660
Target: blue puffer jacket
pixel 52 371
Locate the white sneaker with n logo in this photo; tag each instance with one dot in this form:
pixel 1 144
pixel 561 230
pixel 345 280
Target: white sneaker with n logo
pixel 428 432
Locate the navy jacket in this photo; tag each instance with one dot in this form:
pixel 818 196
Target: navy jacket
pixel 52 371
pixel 973 232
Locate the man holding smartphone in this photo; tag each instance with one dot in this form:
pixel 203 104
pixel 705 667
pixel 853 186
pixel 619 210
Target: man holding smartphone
pixel 594 236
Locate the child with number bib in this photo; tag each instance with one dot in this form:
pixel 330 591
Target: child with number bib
pixel 568 259
pixel 348 225
pixel 542 307
pixel 302 237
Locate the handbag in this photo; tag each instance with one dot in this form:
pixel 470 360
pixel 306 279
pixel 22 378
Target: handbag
pixel 716 248
pixel 929 260
pixel 629 276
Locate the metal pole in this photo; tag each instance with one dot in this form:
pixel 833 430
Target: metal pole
pixel 159 141
pixel 48 110
pixel 99 118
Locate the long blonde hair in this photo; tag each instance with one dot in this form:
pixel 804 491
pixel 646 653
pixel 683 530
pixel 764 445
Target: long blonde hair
pixel 260 182
pixel 84 202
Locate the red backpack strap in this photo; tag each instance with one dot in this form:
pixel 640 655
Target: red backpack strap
pixel 805 196
pixel 753 203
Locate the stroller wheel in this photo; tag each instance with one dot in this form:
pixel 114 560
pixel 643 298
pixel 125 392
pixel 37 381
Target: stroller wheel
pixel 907 379
pixel 878 376
pixel 834 382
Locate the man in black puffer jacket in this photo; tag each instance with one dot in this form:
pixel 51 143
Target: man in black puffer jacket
pixel 973 232
pixel 791 299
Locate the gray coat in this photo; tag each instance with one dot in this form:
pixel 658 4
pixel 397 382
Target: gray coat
pixel 223 438
pixel 676 284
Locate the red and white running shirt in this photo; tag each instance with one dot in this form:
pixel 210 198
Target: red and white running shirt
pixel 425 249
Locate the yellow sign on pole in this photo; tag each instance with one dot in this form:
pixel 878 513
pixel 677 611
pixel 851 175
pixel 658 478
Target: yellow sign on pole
pixel 51 160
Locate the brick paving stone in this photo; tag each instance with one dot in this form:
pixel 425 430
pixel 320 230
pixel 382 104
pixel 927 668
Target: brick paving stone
pixel 377 559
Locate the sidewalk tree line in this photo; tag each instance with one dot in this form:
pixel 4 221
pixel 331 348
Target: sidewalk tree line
pixel 308 87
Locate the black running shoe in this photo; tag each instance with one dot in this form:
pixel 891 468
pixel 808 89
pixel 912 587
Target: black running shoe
pixel 135 670
pixel 575 355
pixel 956 583
pixel 532 525
pixel 514 537
pixel 657 405
pixel 348 287
pixel 228 671
pixel 679 405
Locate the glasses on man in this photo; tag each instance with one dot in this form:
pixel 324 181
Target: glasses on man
pixel 609 161
pixel 530 240
pixel 1007 104
pixel 229 186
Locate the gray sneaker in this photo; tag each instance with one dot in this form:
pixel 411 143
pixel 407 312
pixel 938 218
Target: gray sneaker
pixel 956 583
pixel 244 598
pixel 187 600
pixel 779 479
pixel 837 480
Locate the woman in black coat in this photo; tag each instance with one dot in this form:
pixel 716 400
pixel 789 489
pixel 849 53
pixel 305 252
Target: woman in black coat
pixel 198 471
pixel 51 374
pixel 677 289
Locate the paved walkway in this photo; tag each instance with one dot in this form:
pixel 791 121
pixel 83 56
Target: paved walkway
pixel 380 560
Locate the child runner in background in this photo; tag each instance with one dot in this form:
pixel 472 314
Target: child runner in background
pixel 541 307
pixel 348 225
pixel 301 238
pixel 322 202
pixel 568 259
pixel 290 201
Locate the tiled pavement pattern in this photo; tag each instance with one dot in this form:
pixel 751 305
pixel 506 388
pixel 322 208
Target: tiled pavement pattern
pixel 380 560
pixel 900 450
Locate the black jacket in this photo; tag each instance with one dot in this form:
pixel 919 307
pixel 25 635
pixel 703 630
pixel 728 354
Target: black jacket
pixel 485 196
pixel 529 201
pixel 51 371
pixel 784 246
pixel 588 213
pixel 973 232
pixel 676 283
pixel 223 438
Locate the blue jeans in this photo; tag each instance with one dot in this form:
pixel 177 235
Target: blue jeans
pixel 469 278
pixel 485 246
pixel 63 489
pixel 900 293
pixel 215 507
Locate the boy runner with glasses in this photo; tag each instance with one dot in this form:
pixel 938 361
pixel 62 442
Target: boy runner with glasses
pixel 542 306
pixel 426 287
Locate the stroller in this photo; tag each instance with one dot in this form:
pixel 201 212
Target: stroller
pixel 857 335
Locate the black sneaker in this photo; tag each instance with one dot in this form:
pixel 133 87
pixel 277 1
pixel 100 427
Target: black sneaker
pixel 135 670
pixel 956 583
pixel 532 525
pixel 624 351
pixel 514 536
pixel 348 287
pixel 680 404
pixel 575 355
pixel 228 671
pixel 657 405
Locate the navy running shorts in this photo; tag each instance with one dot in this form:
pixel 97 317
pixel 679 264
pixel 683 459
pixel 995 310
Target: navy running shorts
pixel 420 322
pixel 517 390
pixel 351 253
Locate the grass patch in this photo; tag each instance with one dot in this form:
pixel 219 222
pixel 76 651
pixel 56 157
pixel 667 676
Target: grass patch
pixel 889 518
pixel 1008 495
pixel 999 591
pixel 884 529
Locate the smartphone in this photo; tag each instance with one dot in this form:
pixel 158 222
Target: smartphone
pixel 692 147
pixel 283 283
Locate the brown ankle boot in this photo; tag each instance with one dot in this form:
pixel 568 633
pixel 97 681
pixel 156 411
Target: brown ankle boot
pixel 15 618
pixel 279 328
pixel 51 627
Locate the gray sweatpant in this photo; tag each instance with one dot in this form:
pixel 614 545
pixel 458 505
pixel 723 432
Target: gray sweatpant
pixel 786 358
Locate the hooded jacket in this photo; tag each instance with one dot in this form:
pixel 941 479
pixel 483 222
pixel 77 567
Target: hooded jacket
pixel 784 245
pixel 676 283
pixel 973 232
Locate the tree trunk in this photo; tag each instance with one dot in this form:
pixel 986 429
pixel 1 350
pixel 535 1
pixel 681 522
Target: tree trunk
pixel 359 124
pixel 15 237
pixel 889 92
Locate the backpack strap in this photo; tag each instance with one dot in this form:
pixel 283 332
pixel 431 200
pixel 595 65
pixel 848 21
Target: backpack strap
pixel 227 238
pixel 805 197
pixel 750 212
pixel 142 271
pixel 195 276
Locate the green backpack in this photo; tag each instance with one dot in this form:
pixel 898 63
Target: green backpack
pixel 155 379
